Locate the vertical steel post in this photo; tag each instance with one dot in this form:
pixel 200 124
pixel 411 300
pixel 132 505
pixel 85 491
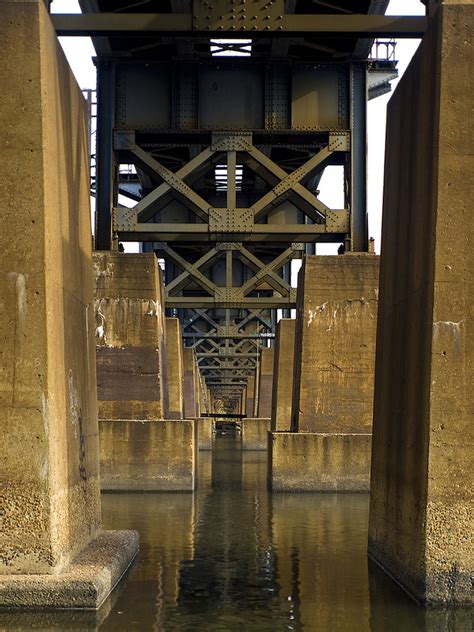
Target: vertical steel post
pixel 105 154
pixel 358 167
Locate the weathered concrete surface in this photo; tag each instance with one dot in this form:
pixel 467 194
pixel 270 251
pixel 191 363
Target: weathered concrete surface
pixel 421 495
pixel 174 342
pixel 198 390
pixel 254 433
pixel 283 374
pixel 49 466
pixel 129 336
pixel 205 430
pixel 265 383
pixel 148 455
pixel 49 470
pixel 309 461
pixel 191 403
pixel 86 582
pixel 250 396
pixel 335 344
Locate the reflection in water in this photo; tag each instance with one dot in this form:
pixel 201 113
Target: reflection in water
pixel 232 557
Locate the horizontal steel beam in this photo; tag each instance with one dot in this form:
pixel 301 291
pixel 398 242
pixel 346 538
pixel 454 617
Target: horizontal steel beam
pixel 248 302
pixel 156 24
pixel 229 336
pixel 233 356
pixel 259 232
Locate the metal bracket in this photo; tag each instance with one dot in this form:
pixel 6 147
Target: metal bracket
pixel 339 141
pixel 338 221
pixel 225 141
pixel 230 220
pixel 124 139
pixel 237 15
pixel 124 219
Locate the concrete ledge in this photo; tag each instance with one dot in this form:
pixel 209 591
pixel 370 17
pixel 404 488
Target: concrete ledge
pixel 205 428
pixel 141 456
pixel 319 462
pixel 254 433
pixel 85 585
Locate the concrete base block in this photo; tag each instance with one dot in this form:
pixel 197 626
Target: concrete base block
pixel 205 431
pixel 84 585
pixel 319 462
pixel 254 433
pixel 142 456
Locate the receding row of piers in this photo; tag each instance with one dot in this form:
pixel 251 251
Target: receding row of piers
pixel 85 338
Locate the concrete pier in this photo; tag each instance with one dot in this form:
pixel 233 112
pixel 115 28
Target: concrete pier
pixel 282 393
pixel 148 455
pixel 139 449
pixel 130 333
pixel 205 431
pixel 174 343
pixel 254 433
pixel 250 396
pixel 265 383
pixel 191 400
pixel 421 496
pixel 53 552
pixel 333 378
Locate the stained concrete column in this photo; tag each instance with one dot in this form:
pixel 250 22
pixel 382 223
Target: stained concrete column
pixel 174 342
pixel 283 374
pixel 140 449
pixel 421 495
pixel 129 336
pixel 50 495
pixel 191 406
pixel 254 429
pixel 250 395
pixel 335 344
pixel 265 382
pixel 329 448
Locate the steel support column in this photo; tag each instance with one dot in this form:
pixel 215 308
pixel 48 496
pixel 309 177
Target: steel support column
pixel 105 154
pixel 358 157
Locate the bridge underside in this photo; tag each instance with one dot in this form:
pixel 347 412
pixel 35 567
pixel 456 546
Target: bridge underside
pixel 216 123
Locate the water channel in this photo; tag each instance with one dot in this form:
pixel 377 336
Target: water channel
pixel 234 557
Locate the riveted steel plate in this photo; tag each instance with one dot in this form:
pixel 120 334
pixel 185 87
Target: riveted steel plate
pixel 339 141
pixel 230 220
pixel 237 15
pixel 338 221
pixel 231 142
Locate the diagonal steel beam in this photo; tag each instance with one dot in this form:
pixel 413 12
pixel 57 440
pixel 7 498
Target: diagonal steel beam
pixel 190 270
pixel 291 184
pixel 159 197
pixel 268 270
pixel 176 184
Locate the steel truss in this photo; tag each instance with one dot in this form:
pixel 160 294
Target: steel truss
pixel 224 156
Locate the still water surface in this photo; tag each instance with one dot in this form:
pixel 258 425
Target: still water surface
pixel 234 557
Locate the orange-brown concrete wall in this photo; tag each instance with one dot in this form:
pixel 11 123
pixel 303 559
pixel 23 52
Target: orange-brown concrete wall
pixel 421 494
pixel 283 374
pixel 49 436
pixel 129 336
pixel 335 344
pixel 265 383
pixel 191 404
pixel 175 368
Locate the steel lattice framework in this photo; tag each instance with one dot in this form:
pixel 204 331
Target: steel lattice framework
pixel 225 153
